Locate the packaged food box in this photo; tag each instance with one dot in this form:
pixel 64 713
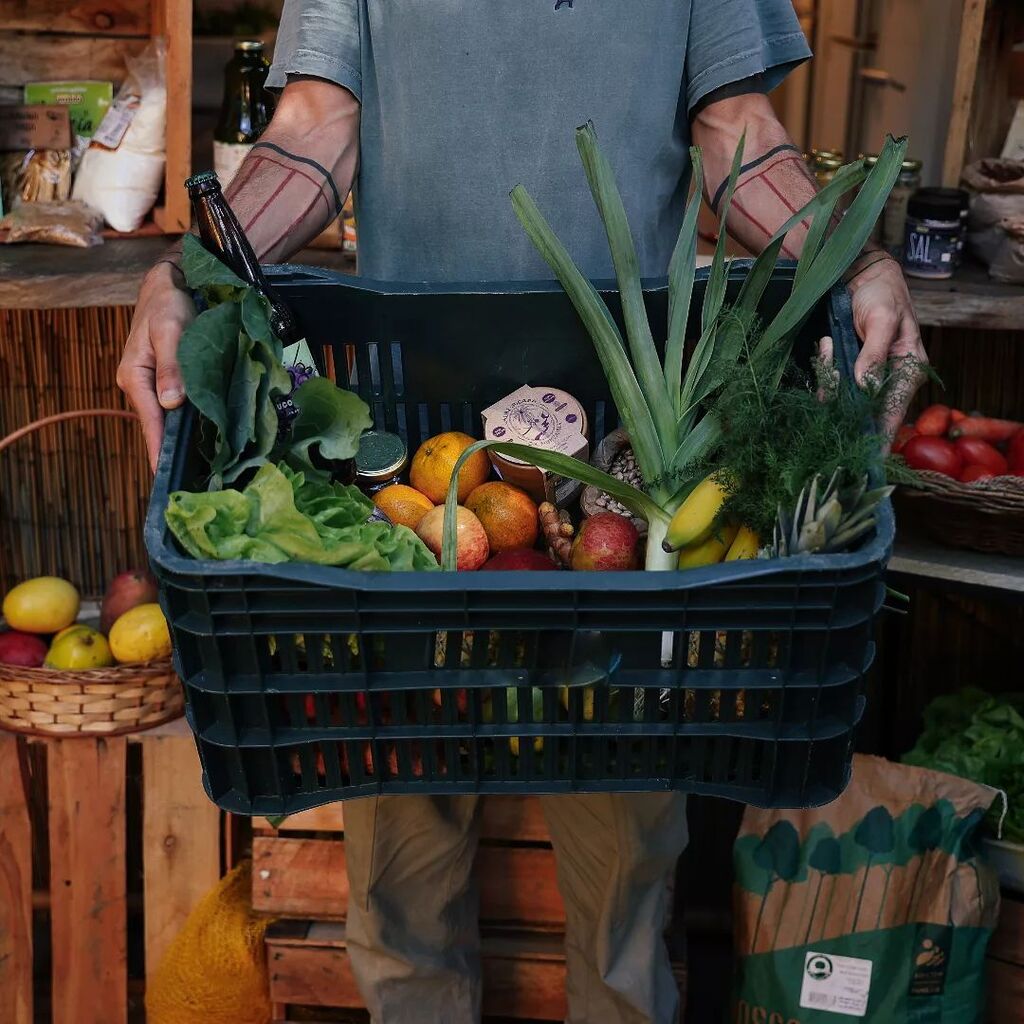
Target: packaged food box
pixel 541 417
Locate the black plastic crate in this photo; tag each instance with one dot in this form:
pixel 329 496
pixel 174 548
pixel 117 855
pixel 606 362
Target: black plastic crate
pixel 307 684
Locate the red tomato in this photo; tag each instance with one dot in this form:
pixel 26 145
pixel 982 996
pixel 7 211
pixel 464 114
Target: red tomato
pixel 1015 452
pixel 955 416
pixel 976 452
pixel 934 421
pixel 903 435
pixel 933 453
pixel 310 707
pixel 975 472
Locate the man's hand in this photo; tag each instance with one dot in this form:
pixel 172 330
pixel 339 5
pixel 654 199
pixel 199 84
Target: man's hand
pixel 148 373
pixel 883 315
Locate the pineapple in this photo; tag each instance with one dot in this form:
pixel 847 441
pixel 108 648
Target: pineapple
pixel 828 519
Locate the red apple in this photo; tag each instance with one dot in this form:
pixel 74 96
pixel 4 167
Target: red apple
pixel 606 541
pixel 22 649
pixel 519 559
pixel 126 590
pixel 471 540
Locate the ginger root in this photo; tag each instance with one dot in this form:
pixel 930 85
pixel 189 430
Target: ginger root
pixel 556 526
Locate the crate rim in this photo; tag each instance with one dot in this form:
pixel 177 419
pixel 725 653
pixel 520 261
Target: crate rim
pixel 167 561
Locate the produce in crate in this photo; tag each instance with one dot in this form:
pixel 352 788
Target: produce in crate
pixel 403 505
pixel 606 543
pixel 519 559
pixel 826 518
pixel 675 419
pixel 472 546
pixel 507 514
pixel 432 465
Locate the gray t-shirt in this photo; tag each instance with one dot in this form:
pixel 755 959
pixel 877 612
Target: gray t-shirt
pixel 463 99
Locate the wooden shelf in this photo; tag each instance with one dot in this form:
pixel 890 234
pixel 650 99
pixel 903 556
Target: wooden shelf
pixel 51 276
pixel 970 299
pixel 924 559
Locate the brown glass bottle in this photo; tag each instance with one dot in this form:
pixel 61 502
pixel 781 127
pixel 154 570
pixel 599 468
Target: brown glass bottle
pixel 222 236
pixel 245 111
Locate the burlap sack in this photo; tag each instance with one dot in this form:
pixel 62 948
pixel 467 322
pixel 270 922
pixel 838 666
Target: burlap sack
pixel 995 229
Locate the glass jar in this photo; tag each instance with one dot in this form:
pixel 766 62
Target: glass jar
pixel 894 214
pixel 380 461
pixel 935 229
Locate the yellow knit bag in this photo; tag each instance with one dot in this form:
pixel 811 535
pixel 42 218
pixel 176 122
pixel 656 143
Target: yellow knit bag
pixel 215 970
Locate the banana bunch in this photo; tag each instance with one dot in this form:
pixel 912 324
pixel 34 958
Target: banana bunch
pixel 698 534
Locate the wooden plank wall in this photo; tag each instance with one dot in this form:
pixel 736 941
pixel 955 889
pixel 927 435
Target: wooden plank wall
pixel 15 886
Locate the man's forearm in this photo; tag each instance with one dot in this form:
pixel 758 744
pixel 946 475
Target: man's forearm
pixel 296 178
pixel 774 181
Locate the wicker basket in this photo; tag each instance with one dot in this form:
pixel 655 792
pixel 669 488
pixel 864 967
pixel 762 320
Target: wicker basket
pixel 105 701
pixel 987 515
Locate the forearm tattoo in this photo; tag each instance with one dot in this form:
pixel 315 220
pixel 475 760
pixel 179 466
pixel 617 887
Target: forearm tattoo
pixel 283 199
pixel 769 190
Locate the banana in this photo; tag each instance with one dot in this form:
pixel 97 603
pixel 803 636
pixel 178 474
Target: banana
pixel 710 551
pixel 746 545
pixel 695 518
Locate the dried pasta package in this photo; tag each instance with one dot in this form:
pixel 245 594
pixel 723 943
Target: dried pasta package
pixel 123 169
pixel 66 223
pixel 35 176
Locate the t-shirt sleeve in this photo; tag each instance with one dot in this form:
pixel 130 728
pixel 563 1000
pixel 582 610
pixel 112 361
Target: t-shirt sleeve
pixel 733 40
pixel 319 38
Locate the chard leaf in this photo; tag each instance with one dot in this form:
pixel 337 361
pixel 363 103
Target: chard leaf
pixel 206 355
pixel 329 417
pixel 256 321
pixel 246 378
pixel 649 371
pixel 206 274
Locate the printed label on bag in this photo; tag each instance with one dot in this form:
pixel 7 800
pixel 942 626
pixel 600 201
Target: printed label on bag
pixel 116 121
pixel 836 984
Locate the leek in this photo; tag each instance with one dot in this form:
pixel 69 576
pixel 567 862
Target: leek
pixel 671 418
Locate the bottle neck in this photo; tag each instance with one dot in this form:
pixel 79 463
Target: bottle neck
pixel 223 236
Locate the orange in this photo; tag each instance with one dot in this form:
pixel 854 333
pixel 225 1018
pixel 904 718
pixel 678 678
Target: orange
pixel 508 514
pixel 403 505
pixel 433 463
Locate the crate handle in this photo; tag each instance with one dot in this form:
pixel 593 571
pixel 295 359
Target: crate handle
pixel 60 417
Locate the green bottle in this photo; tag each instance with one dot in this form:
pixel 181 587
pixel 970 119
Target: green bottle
pixel 245 111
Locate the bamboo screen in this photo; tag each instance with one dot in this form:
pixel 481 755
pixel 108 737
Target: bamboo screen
pixel 72 495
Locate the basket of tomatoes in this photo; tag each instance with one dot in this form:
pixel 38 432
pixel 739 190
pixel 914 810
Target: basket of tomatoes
pixel 969 479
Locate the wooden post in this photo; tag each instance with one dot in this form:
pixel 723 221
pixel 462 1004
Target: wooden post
pixel 15 888
pixel 87 880
pixel 180 839
pixel 972 25
pixel 172 19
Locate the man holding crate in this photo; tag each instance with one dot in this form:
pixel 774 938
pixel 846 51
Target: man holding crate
pixel 434 110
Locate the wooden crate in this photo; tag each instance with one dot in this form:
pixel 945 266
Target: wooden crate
pixel 68 851
pixel 1006 964
pixel 299 874
pixel 83 39
pixel 524 974
pixel 302 876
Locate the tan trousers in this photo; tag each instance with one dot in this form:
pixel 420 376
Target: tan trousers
pixel 412 929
